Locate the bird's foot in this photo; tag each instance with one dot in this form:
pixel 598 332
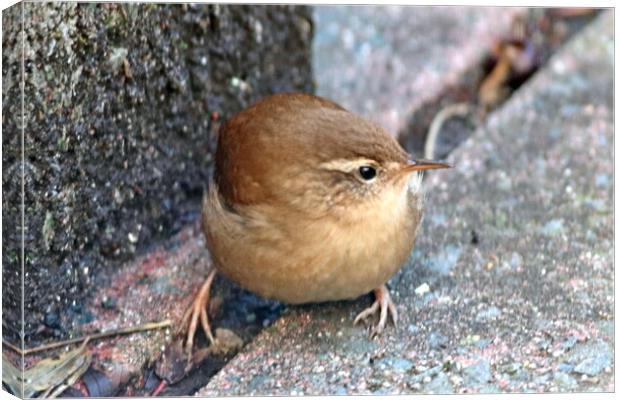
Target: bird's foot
pixel 196 311
pixel 384 304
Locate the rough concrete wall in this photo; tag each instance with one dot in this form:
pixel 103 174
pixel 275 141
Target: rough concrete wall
pixel 122 102
pixel 11 172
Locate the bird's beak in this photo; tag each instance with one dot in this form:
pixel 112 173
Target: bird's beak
pixel 421 165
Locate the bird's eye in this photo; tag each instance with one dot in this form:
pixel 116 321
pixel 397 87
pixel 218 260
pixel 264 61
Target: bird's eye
pixel 367 172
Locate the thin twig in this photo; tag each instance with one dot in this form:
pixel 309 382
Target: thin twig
pixel 159 388
pixel 453 110
pixel 59 389
pixel 11 346
pixel 47 392
pixel 116 332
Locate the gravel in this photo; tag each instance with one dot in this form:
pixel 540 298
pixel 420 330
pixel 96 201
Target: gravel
pixel 439 385
pixel 594 358
pixel 436 340
pixel 564 380
pixel 488 314
pixel 478 373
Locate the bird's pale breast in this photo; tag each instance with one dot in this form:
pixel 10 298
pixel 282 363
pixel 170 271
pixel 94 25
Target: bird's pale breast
pixel 313 260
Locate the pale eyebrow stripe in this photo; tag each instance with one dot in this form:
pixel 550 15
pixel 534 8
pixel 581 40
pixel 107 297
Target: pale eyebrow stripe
pixel 346 164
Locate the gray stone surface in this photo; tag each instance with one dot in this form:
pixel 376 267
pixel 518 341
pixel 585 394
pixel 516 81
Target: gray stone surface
pixel 591 358
pixel 477 374
pixel 552 282
pixel 564 381
pixel 439 385
pixel 386 61
pixel 122 103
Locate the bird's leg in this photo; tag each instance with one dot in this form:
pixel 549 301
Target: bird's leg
pixel 384 304
pixel 196 311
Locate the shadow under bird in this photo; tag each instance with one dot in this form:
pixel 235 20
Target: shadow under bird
pixel 309 203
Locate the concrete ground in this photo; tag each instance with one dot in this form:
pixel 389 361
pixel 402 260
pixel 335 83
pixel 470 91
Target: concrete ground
pixel 510 288
pixel 384 62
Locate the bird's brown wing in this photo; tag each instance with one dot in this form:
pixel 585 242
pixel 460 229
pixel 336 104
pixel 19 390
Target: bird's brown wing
pixel 254 149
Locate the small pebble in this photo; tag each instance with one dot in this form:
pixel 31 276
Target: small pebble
pixel 436 340
pixel 413 329
pixel 133 238
pixel 564 380
pixel 593 366
pixel 490 313
pixel 478 373
pixel 553 227
pixel 422 289
pixel 250 318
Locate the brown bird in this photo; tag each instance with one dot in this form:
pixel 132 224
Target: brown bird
pixel 309 203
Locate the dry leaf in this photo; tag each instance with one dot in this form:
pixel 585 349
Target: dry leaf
pixel 55 373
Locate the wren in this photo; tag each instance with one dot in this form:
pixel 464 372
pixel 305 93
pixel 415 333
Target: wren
pixel 309 203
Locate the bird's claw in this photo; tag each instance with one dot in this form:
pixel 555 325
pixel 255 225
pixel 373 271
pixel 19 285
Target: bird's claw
pixel 197 311
pixel 384 304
